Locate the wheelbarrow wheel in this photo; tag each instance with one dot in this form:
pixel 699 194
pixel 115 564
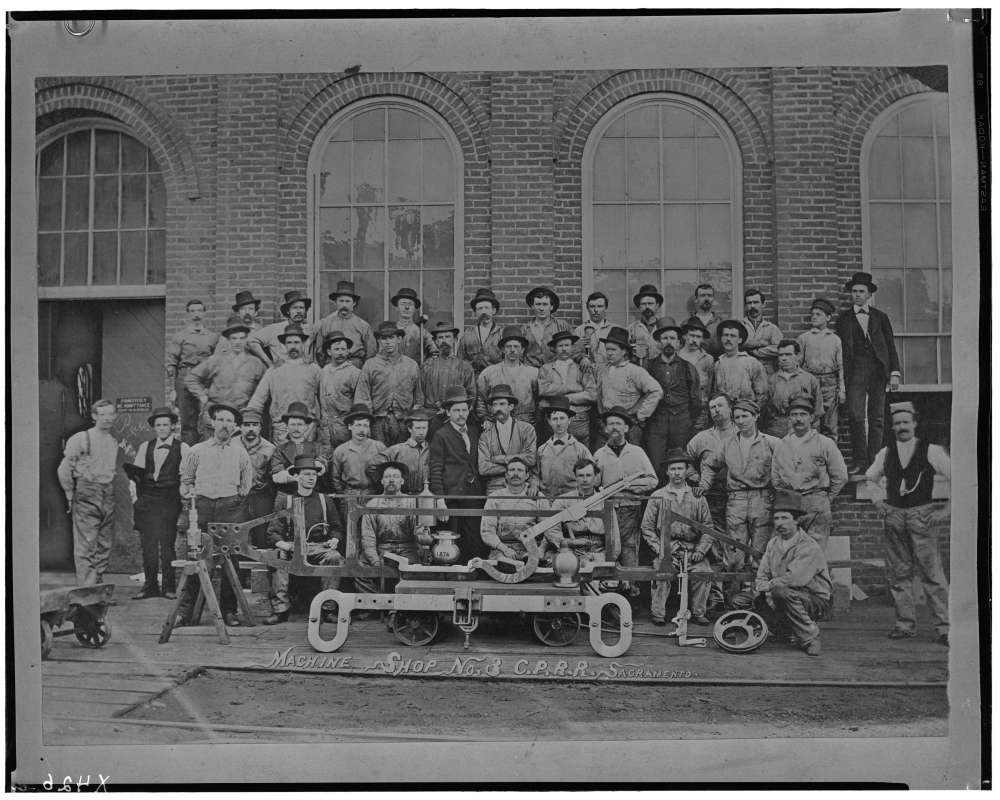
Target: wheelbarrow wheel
pixel 415 628
pixel 46 638
pixel 556 630
pixel 96 633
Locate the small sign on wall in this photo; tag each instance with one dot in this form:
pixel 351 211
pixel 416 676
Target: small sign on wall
pixel 134 405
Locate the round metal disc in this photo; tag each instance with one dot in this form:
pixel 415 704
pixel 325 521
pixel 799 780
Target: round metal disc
pixel 415 628
pixel 740 631
pixel 556 630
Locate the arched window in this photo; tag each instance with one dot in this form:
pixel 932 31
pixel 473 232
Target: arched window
pixel 101 212
pixel 661 182
pixel 386 200
pixel 906 197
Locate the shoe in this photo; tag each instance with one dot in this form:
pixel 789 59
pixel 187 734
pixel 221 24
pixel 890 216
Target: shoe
pixel 180 622
pixel 230 620
pixel 942 639
pixel 813 648
pixel 700 620
pixel 146 592
pixel 900 633
pixel 275 619
pixel 659 621
pixel 170 595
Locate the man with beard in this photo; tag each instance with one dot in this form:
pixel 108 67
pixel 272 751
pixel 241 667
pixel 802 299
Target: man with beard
pixel 562 378
pixel 645 347
pixel 389 385
pixel 414 453
pixel 229 377
pixel 705 316
pixel 296 422
pixel 443 370
pixel 625 384
pixel 292 381
pixel 338 381
pixel 670 425
pixel 738 375
pixel 417 343
pixel 543 303
pixel 558 456
pixel 763 336
pixel 790 382
pixel 480 343
pixel 500 534
pixel 344 320
pixel 507 438
pixel 512 372
pixel 260 500
pixel 265 342
pixel 186 350
pixel 694 336
pixel 247 308
pixel 590 352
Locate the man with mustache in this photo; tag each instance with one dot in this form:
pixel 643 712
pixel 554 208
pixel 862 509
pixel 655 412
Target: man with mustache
pixel 443 370
pixel 563 378
pixel 738 375
pixel 705 316
pixel 543 303
pixel 641 332
pixel 694 336
pixel 670 424
pixel 389 385
pixel 247 308
pixel 589 351
pixel 506 439
pixel 338 381
pixel 264 342
pixel 512 372
pixel 620 382
pixel 186 350
pixel 417 342
pixel 260 500
pixel 480 343
pixel 500 534
pixel 344 320
pixel 763 336
pixel 788 383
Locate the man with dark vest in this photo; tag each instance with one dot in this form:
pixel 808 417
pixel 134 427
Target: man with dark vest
pixel 672 422
pixel 157 502
pixel 645 347
pixel 870 360
pixel 909 465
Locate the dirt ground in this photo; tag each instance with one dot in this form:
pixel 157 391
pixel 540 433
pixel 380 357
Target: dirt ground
pixel 336 707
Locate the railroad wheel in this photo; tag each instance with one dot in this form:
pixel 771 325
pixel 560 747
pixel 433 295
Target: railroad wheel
pixel 556 630
pixel 415 628
pixel 46 638
pixel 740 631
pixel 95 633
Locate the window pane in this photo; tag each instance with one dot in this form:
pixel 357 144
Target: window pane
pixel 439 171
pixel 609 237
pixel 883 169
pixel 156 259
pixel 49 204
pixel 157 201
pixel 916 120
pixel 106 152
pixel 945 232
pixel 886 235
pixel 438 293
pixel 722 282
pixel 371 287
pixel 944 343
pixel 404 237
pixel 946 290
pixel 403 124
pixel 616 128
pixel 890 294
pixel 369 238
pixel 133 258
pixel 398 278
pixel 643 121
pixel 106 202
pixel 439 236
pixel 944 167
pixel 677 122
pixel 133 155
pixel 404 171
pixel 920 360
pixel 918 168
pixel 335 238
pixel 343 134
pixel 49 250
pixel 133 201
pixel 921 301
pixel 75 259
pixel 77 204
pixel 643 169
pixel 713 170
pixel 78 153
pixel 370 125
pixel 612 283
pixel 679 233
pixel 106 258
pixel 678 289
pixel 334 176
pixel 644 237
pixel 920 230
pixel 369 172
pixel 51 159
pixel 428 130
pixel 703 128
pixel 680 181
pixel 715 247
pixel 609 170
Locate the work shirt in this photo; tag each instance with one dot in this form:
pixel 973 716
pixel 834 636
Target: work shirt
pixel 629 461
pixel 556 459
pixel 645 347
pixel 783 387
pixel 808 464
pixel 351 463
pixel 523 382
pixel 438 373
pixel 796 562
pixel 260 453
pixel 226 378
pixel 187 348
pixel 356 329
pixel 389 387
pixel 90 455
pixel 704 365
pixel 539 334
pixel 289 382
pixel 566 379
pixel 594 343
pixel 387 532
pixel 747 460
pixel 480 346
pixel 213 469
pixel 337 385
pixel 681 501
pixel 767 336
pixel 416 339
pixel 740 377
pixel 628 385
pixel 267 337
pixel 493 530
pixel 161 449
pixel 823 354
pixel 702 445
pixel 416 457
pixel 936 457
pixel 496 448
pixel 589 532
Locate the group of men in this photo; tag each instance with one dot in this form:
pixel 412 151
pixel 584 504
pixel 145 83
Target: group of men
pixel 721 414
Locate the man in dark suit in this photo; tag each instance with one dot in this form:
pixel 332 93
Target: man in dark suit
pixel 870 361
pixel 454 456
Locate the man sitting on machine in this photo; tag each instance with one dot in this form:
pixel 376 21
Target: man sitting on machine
pixel 500 534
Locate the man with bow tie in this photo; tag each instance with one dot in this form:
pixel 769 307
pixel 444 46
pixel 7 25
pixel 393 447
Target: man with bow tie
pixel 870 362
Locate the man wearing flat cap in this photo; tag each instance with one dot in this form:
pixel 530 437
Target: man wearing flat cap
pixel 415 452
pixel 186 349
pixel 623 383
pixel 417 342
pixel 543 303
pixel 512 372
pixel 909 465
pixel 389 385
pixel 505 439
pixel 645 346
pixel 443 370
pixel 265 343
pixel 672 422
pixel 870 362
pixel 823 356
pixel 338 380
pixel 738 375
pixel 480 342
pixel 343 320
pixel 564 378
pixel 793 584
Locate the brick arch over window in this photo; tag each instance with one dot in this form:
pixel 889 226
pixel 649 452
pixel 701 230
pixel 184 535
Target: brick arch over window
pixel 144 117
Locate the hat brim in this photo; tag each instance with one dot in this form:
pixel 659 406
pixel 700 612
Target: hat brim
pixel 550 410
pixel 308 420
pixel 226 332
pixel 872 287
pixel 523 340
pixel 151 420
pixel 358 415
pixel 320 469
pixel 624 344
pixel 448 402
pixel 331 339
pixel 795 512
pixel 387 333
pixel 237 414
pixel 572 339
pixel 660 331
pixel 529 298
pixel 255 301
pixel 655 295
pixel 508 397
pixel 397 297
pixel 283 308
pixel 480 298
pixel 334 295
pixel 453 331
pixel 627 417
pixel 282 336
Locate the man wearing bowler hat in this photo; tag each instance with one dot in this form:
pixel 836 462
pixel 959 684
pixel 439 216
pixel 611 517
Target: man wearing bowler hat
pixel 352 464
pixel 623 383
pixel 738 375
pixel 480 342
pixel 389 385
pixel 417 342
pixel 505 439
pixel 187 349
pixel 671 424
pixel 870 361
pixel 260 500
pixel 156 495
pixel 512 372
pixel 338 381
pixel 543 303
pixel 343 320
pixel 645 347
pixel 558 455
pixel 443 370
pixel 247 308
pixel 292 381
pixel 265 343
pixel 694 336
pixel 564 378
pixel 415 452
pixel 296 422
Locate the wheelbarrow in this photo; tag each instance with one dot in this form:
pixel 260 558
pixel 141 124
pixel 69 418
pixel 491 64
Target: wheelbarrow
pixel 84 606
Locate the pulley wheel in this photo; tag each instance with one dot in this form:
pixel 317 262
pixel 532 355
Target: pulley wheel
pixel 556 630
pixel 96 633
pixel 415 628
pixel 46 638
pixel 740 631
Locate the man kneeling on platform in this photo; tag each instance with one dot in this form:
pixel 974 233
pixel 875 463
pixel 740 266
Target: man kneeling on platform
pixel 323 532
pixel 793 584
pixel 660 532
pixel 500 534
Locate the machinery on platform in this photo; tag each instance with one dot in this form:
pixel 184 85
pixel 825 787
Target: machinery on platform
pixel 85 606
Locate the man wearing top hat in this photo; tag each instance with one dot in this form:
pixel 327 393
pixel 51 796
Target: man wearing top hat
pixel 353 463
pixel 558 455
pixel 229 376
pixel 323 531
pixel 293 381
pixel 415 452
pixel 564 378
pixel 793 584
pixel 417 342
pixel 444 369
pixel 187 349
pixel 156 495
pixel 480 342
pixel 623 383
pixel 645 346
pixel 909 465
pixel 265 343
pixel 763 336
pixel 343 320
pixel 870 362
pixel 389 385
pixel 505 439
pixel 338 380
pixel 705 317
pixel 823 356
pixel 296 422
pixel 260 500
pixel 512 372
pixel 543 303
pixel 247 308
pixel 671 424
pixel 738 375
pixel 789 382
pixel 694 335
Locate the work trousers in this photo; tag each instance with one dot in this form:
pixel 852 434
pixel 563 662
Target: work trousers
pixel 214 509
pixel 407 550
pixel 911 547
pixel 188 408
pixel 866 383
pixel 629 520
pixel 817 517
pixel 93 513
pixel 697 590
pixel 830 420
pixel 157 526
pixel 795 612
pixel 663 433
pixel 748 519
pixel 390 430
pixel 470 543
pixel 317 553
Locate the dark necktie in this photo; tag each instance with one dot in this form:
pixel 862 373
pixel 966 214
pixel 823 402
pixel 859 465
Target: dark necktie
pixel 558 443
pixel 862 310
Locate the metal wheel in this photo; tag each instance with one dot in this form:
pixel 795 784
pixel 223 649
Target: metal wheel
pixel 740 631
pixel 415 628
pixel 94 634
pixel 556 630
pixel 46 638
